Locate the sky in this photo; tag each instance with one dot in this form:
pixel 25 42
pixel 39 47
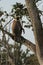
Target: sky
pixel 7 6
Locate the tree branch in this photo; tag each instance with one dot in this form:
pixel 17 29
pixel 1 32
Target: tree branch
pixel 8 23
pixel 22 40
pixel 10 60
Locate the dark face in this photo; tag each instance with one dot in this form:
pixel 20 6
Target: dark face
pixel 17 18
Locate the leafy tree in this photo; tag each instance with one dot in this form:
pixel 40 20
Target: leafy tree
pixel 32 13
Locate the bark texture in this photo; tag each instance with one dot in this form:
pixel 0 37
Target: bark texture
pixel 37 26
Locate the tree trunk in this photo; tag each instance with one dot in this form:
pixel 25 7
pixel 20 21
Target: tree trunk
pixel 37 26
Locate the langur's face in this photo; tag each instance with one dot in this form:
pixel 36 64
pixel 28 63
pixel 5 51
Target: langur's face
pixel 17 18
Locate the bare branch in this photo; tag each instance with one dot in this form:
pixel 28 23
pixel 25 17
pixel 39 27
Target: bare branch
pixel 29 44
pixel 8 23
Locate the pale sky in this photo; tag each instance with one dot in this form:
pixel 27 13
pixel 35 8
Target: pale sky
pixel 7 5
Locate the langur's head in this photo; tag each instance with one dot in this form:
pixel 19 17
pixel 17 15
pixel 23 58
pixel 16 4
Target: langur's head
pixel 17 17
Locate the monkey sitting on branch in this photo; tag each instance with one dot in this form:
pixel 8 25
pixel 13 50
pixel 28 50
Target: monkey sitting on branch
pixel 17 28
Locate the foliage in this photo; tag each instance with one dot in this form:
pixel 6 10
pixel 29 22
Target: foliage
pixel 19 9
pixel 1 13
pixel 18 56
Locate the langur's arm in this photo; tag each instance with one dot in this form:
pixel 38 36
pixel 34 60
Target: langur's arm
pixel 23 30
